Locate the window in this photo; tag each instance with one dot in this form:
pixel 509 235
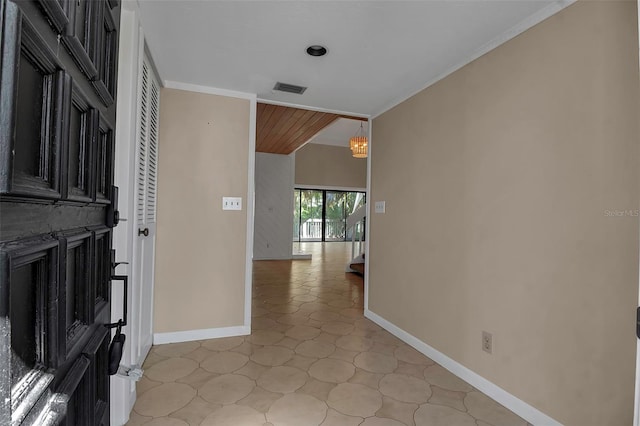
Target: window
pixel 321 215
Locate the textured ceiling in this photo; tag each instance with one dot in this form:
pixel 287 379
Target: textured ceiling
pixel 380 52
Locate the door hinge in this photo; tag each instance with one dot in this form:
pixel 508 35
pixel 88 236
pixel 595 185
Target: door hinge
pixel 638 322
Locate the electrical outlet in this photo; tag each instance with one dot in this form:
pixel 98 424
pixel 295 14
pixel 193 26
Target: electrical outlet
pixel 487 342
pixel 231 203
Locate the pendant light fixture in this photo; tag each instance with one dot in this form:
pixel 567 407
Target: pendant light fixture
pixel 359 144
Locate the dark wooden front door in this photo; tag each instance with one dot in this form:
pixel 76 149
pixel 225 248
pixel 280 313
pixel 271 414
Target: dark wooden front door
pixel 57 122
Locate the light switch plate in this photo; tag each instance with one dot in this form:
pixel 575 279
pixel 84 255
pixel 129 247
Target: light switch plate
pixel 380 207
pixel 231 203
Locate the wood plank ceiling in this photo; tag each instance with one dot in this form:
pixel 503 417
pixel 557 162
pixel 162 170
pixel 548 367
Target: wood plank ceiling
pixel 282 130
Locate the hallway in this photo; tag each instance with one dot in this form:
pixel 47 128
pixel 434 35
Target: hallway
pixel 312 359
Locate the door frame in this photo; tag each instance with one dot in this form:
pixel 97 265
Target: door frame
pixel 132 50
pixel 636 405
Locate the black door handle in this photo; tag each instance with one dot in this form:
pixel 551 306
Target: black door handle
pixel 144 232
pixel 116 346
pixel 125 282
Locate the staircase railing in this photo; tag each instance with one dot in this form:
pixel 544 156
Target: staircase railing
pixel 355 227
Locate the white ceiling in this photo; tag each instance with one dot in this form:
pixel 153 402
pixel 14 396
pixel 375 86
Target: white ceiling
pixel 380 52
pixel 339 132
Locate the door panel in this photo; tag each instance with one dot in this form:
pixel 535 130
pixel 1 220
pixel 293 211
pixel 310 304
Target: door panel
pixel 56 171
pixel 146 190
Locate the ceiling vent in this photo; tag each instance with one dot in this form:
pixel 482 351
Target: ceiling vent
pixel 289 88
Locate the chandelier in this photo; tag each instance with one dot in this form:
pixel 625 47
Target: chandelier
pixel 359 144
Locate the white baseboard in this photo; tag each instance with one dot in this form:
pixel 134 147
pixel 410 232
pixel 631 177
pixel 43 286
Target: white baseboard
pixel 301 256
pixel 521 408
pixel 203 334
pixel 287 257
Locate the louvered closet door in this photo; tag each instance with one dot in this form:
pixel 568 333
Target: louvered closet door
pixel 146 185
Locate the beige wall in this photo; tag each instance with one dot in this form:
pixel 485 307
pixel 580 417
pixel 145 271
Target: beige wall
pixel 497 181
pixel 200 249
pixel 327 166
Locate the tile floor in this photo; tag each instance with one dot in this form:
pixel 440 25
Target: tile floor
pixel 312 359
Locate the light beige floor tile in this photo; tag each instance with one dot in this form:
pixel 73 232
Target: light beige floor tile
pixel 234 415
pixel 375 362
pixel 278 300
pixel 264 337
pixel 246 348
pixel 337 327
pixel 258 312
pixel 292 319
pixel 344 355
pixel 224 362
pixel 384 336
pixel 437 375
pixel 305 298
pixel 354 343
pixel 449 398
pixel 223 344
pixel 167 421
pixel 301 362
pixel 366 324
pixel 326 337
pixel 341 303
pixel 199 354
pixel 283 309
pixel 263 323
pixel 315 349
pixel 136 419
pixel 176 349
pixel 260 399
pixel 408 354
pixel 430 415
pixel 226 389
pixel 378 421
pixel 396 410
pixel 283 379
pixel 355 400
pixel 405 388
pixel 338 419
pixel 288 342
pixel 484 408
pixel 317 389
pixel 171 369
pixel 271 356
pixel 144 384
pixel 363 377
pixel 303 332
pixel 152 359
pixel 332 370
pixel 410 369
pixel 325 316
pixel 197 378
pixel 164 399
pixel 252 370
pixel 354 313
pixel 195 411
pixel 383 348
pixel 297 410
